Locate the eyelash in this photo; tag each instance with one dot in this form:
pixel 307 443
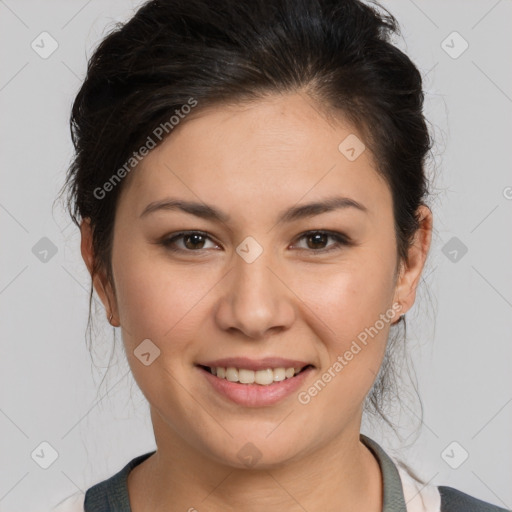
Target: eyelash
pixel 341 240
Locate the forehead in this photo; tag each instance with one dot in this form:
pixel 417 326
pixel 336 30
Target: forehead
pixel 269 152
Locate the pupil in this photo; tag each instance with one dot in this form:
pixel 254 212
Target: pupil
pixel 318 238
pixel 194 242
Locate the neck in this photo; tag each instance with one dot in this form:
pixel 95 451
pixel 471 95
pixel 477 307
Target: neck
pixel 340 476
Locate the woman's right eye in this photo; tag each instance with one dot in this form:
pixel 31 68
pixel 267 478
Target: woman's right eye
pixel 190 239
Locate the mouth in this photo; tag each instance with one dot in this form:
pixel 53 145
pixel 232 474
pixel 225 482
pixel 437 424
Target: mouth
pixel 251 383
pixel 263 377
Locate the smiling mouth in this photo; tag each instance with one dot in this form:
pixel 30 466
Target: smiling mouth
pixel 264 377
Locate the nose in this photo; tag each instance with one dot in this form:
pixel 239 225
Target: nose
pixel 255 300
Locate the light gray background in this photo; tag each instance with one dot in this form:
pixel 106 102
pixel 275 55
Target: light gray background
pixel 459 332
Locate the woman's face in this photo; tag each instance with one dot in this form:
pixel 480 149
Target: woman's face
pixel 258 289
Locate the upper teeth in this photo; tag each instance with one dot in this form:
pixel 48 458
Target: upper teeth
pixel 263 377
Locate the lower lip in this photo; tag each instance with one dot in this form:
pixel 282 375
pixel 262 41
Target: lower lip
pixel 256 395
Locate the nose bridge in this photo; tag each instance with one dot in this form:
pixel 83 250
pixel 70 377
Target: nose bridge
pixel 254 284
pixel 255 299
pixel 253 278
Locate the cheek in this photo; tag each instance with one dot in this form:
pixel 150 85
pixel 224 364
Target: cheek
pixel 159 303
pixel 353 346
pixel 350 297
pixel 352 318
pixel 155 300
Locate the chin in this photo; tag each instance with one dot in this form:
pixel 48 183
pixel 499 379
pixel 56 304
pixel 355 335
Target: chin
pixel 258 451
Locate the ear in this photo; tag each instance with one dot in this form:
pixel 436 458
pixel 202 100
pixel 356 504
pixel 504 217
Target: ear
pixel 410 272
pixel 100 281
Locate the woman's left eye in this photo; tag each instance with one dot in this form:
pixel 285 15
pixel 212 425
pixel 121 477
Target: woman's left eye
pixel 194 241
pixel 315 238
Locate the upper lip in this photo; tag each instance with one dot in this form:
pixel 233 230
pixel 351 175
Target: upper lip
pixel 254 364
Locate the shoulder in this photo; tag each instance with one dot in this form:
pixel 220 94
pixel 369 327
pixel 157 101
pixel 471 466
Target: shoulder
pixel 431 498
pixel 108 494
pixel 112 493
pixel 73 503
pixel 453 500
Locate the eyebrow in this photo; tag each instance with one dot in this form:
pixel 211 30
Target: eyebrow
pixel 208 212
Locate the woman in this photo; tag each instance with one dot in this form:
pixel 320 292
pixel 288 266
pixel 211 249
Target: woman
pixel 249 184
